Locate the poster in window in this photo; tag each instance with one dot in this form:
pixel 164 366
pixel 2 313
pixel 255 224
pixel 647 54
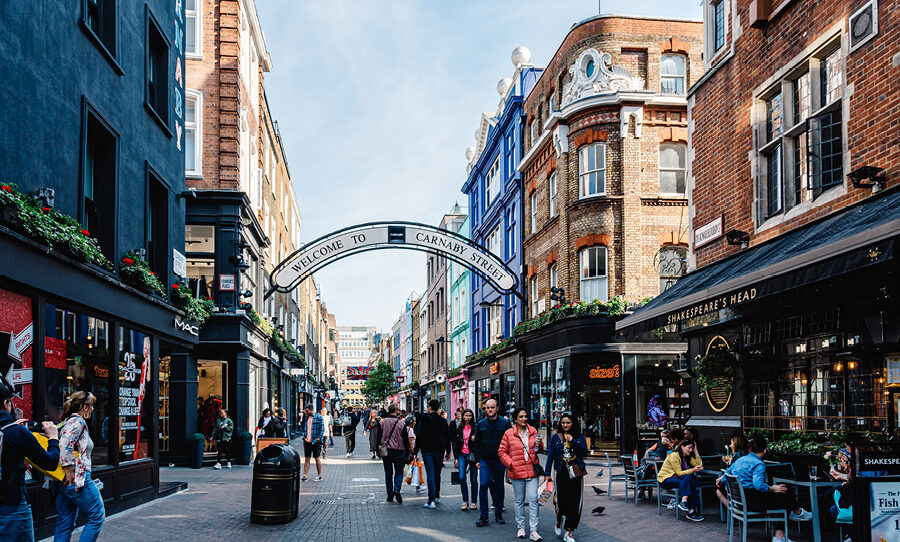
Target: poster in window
pixel 16 339
pixel 134 376
pixel 884 511
pixel 893 370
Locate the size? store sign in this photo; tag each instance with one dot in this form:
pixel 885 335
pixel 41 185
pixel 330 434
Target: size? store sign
pixel 605 373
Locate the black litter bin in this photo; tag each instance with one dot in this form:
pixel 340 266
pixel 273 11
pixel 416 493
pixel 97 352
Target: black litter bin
pixel 276 485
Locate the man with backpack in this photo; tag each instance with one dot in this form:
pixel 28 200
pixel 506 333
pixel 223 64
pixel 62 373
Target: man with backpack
pixel 16 444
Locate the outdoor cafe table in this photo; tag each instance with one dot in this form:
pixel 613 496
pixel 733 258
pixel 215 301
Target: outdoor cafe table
pixel 813 485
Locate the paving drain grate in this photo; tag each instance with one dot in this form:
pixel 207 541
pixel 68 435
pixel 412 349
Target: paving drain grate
pixel 325 501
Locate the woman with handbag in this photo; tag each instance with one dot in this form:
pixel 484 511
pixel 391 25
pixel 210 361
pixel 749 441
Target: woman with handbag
pixel 463 440
pixel 566 453
pixel 79 493
pixel 518 452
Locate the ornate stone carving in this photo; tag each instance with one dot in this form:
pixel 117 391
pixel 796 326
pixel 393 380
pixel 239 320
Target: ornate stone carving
pixel 593 74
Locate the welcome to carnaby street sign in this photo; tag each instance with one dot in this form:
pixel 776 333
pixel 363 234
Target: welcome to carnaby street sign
pixel 380 235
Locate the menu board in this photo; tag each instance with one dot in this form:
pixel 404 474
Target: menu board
pixel 884 511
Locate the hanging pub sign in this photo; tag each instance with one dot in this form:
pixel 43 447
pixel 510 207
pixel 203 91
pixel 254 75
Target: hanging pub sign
pixel 719 394
pixel 495 367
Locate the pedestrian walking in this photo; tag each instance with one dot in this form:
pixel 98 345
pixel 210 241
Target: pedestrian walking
pixel 328 421
pixel 78 492
pixel 313 438
pixel 433 441
pixel 350 431
pixel 489 432
pixel 222 434
pixel 565 455
pixel 16 521
pixel 373 430
pixel 463 440
pixel 265 427
pixel 393 447
pixel 281 424
pixel 413 460
pixel 519 453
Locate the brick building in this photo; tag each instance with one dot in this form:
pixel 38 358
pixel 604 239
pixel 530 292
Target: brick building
pixel 792 181
pixel 605 211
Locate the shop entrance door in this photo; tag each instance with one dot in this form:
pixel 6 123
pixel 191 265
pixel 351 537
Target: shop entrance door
pixel 210 397
pixel 603 418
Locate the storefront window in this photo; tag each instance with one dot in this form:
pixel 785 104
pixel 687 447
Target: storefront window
pixel 508 393
pixel 79 358
pixel 16 352
pixel 200 251
pixel 135 378
pixel 549 390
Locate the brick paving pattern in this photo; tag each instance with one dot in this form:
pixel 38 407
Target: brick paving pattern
pixel 347 505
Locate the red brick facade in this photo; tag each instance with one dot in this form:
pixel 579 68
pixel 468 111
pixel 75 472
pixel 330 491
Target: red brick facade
pixel 632 219
pixel 773 45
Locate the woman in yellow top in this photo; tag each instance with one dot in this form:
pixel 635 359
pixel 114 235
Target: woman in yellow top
pixel 679 470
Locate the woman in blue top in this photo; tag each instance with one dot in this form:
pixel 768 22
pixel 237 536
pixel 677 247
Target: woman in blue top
pixel 566 453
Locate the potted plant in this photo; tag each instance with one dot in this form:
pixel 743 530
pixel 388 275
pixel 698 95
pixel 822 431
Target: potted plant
pixel 136 272
pixel 245 447
pixel 196 450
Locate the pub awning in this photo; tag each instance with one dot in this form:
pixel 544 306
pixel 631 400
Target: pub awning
pixel 858 237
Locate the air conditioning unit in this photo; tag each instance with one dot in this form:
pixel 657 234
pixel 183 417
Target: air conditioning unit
pixel 863 25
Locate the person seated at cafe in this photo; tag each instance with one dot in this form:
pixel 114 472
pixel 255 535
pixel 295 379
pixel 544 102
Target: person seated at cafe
pixel 691 433
pixel 839 499
pixel 660 449
pixel 751 473
pixel 739 448
pixel 675 436
pixel 679 470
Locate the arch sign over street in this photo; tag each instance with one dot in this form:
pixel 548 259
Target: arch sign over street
pixel 379 235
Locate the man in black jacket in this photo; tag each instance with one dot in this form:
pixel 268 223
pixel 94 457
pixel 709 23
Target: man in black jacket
pixel 350 431
pixel 16 522
pixel 489 433
pixel 433 439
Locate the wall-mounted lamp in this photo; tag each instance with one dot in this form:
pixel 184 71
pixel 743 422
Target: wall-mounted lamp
pixel 738 237
pixel 875 176
pixel 248 293
pixel 838 367
pixel 488 304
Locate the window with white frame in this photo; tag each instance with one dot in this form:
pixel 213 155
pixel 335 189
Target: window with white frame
pixel 592 170
pixel 193 28
pixel 800 143
pixel 672 74
pixel 510 234
pixel 534 126
pixel 494 245
pixel 510 154
pixel 553 189
pixel 718 25
pixel 533 295
pixel 592 265
pixel 495 328
pixel 672 158
pixel 534 212
pixel 554 276
pixel 193 136
pixel 492 183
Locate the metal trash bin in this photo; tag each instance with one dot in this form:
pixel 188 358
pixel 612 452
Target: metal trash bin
pixel 276 485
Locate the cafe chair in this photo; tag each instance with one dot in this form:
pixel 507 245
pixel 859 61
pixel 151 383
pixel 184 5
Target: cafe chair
pixel 612 477
pixel 631 480
pixel 738 511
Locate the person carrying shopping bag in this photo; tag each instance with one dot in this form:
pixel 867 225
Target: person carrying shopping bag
pixel 566 453
pixel 518 453
pixel 78 492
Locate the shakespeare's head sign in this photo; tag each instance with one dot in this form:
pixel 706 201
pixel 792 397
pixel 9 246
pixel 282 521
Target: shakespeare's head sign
pixel 378 235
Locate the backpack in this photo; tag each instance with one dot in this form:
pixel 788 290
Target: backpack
pixel 1 442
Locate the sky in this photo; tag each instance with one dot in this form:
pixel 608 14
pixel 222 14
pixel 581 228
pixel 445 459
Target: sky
pixel 377 100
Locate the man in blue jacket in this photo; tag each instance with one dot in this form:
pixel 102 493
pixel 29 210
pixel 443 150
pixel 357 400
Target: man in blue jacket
pixel 16 522
pixel 488 435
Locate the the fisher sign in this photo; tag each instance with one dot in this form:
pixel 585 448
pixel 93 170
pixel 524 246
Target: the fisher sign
pixel 379 235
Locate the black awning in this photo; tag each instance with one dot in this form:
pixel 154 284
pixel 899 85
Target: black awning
pixel 853 239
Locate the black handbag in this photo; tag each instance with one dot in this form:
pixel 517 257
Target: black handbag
pixel 454 478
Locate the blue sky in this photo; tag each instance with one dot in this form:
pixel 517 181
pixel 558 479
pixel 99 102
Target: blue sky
pixel 377 101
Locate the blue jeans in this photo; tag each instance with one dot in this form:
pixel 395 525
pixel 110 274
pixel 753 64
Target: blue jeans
pixel 433 463
pixel 472 467
pixel 491 472
pixel 89 502
pixel 16 524
pixel 688 486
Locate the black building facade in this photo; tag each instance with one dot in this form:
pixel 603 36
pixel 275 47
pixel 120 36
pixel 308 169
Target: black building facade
pixel 92 129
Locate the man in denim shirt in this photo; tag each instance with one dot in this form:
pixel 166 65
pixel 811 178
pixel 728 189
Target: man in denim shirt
pixel 16 523
pixel 751 473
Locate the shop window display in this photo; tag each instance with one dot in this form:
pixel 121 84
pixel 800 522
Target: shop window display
pixel 16 340
pixel 79 358
pixel 135 410
pixel 549 390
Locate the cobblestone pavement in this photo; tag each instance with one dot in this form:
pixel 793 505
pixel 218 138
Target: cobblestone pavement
pixel 347 505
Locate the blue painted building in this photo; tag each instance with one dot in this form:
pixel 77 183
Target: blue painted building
pixel 493 186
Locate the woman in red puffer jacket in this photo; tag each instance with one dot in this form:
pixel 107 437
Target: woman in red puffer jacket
pixel 521 462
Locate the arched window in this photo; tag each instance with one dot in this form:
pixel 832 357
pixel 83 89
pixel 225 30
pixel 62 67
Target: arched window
pixel 671 263
pixel 592 265
pixel 672 74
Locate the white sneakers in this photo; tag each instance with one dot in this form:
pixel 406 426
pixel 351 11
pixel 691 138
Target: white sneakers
pixel 804 515
pixel 218 466
pixel 568 537
pixel 558 530
pixel 521 533
pixel 228 465
pixel 317 478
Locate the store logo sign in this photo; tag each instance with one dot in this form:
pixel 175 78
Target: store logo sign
pixel 184 325
pixel 605 373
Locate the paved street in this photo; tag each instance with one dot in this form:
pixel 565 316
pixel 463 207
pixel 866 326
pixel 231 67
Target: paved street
pixel 347 506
